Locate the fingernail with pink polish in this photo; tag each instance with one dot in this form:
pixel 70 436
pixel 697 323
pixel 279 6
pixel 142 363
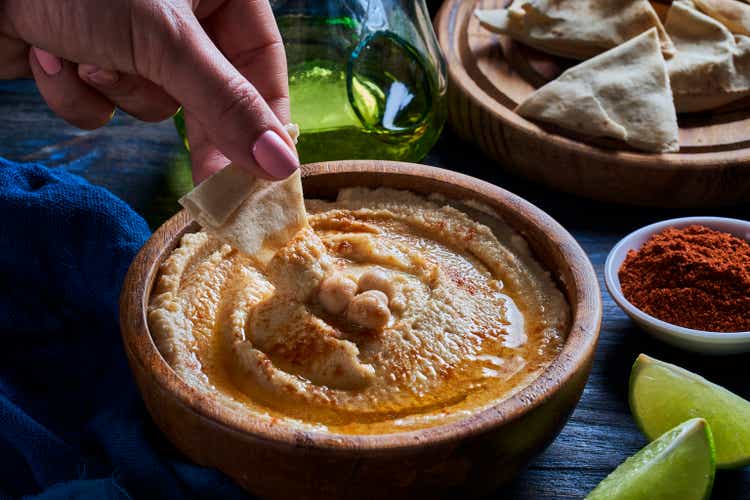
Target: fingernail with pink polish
pixel 274 155
pixel 51 65
pixel 99 76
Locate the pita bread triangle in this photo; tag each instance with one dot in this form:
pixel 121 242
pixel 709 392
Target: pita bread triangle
pixel 255 216
pixel 712 66
pixel 578 29
pixel 623 93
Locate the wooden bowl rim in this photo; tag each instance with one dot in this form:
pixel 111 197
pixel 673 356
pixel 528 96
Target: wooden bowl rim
pixel 576 355
pixel 448 16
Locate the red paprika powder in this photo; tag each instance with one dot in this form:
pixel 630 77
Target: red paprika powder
pixel 694 277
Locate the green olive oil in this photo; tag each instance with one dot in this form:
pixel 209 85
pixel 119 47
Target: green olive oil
pixel 372 96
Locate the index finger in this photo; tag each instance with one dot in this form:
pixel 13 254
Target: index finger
pixel 246 33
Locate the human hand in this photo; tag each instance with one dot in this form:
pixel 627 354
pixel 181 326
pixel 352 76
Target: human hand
pixel 223 60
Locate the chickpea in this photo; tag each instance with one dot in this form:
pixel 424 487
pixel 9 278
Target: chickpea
pixel 375 279
pixel 336 291
pixel 369 310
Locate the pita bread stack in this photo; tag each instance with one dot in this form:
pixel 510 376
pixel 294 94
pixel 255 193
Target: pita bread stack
pixel 578 29
pixel 712 66
pixel 253 215
pixel 637 73
pixel 623 93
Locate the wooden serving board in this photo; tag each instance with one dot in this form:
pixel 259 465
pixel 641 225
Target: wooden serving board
pixel 489 74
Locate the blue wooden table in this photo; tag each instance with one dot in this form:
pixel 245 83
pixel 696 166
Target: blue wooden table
pixel 146 165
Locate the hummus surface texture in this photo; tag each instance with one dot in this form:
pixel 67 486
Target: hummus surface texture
pixel 450 313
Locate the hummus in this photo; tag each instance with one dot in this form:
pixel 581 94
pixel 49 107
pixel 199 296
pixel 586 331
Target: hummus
pixel 389 312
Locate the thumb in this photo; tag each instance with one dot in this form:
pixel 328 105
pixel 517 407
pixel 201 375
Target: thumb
pixel 231 111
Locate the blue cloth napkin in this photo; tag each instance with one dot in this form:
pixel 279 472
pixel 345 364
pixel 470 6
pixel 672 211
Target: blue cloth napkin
pixel 72 424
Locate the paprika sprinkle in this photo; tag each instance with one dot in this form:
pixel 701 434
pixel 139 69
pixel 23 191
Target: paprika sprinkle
pixel 693 277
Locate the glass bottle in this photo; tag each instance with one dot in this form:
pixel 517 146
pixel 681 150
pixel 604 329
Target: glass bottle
pixel 366 78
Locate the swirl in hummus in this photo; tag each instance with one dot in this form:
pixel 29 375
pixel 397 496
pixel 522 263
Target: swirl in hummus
pixel 389 312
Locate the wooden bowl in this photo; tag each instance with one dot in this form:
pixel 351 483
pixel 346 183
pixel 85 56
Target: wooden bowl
pixel 470 457
pixel 489 75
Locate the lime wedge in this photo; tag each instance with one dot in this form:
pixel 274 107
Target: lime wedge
pixel 677 466
pixel 664 395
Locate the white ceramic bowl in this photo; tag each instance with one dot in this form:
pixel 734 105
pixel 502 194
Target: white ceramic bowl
pixel 686 338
